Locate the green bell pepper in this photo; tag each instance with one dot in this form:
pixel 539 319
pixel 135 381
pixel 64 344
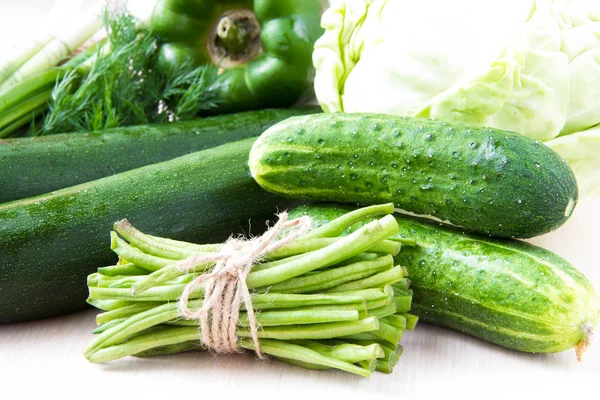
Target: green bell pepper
pixel 263 48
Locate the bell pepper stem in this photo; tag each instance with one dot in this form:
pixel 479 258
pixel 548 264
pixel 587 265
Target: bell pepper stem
pixel 233 36
pixel 235 39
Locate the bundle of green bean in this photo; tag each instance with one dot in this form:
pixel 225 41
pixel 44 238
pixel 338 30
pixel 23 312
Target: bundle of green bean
pixel 321 301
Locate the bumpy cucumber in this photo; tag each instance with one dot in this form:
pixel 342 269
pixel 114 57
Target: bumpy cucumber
pixel 37 165
pixel 506 292
pixel 485 180
pixel 50 243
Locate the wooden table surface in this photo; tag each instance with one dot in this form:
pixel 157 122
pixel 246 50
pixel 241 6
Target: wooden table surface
pixel 45 357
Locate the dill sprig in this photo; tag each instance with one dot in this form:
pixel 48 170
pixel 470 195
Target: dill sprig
pixel 125 86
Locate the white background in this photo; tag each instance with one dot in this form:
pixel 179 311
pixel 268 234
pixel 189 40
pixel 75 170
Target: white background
pixel 43 358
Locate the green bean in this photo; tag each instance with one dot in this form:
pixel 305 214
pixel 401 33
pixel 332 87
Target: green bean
pixel 162 336
pixel 367 294
pixel 388 333
pixel 274 263
pixel 340 224
pixel 164 275
pixel 384 366
pixel 266 301
pixel 401 286
pixel 384 334
pixel 157 293
pixel 381 279
pixel 108 325
pixel 403 303
pixel 374 304
pixel 117 281
pixel 351 245
pixel 301 246
pixel 361 308
pixel 136 256
pixel 108 304
pixel 411 320
pixel 122 269
pixel 291 351
pixel 402 292
pixel 333 277
pixel 315 331
pixel 303 364
pixel 170 349
pixel 397 321
pixel 403 241
pixel 390 353
pixel 370 365
pixel 201 248
pixel 126 311
pixel 383 311
pixel 280 318
pixel 346 352
pixel 150 246
pixel 374 297
pixel 283 318
pixel 92 279
pixel 133 325
pixel 365 337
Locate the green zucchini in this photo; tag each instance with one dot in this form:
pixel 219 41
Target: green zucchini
pixel 38 165
pixel 504 291
pixel 50 243
pixel 485 180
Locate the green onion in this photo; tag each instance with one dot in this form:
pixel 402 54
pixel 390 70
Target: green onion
pixel 411 320
pixel 20 54
pixel 36 58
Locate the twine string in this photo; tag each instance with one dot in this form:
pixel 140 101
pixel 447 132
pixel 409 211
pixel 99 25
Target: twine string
pixel 225 287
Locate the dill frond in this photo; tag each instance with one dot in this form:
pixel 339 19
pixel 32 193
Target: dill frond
pixel 125 86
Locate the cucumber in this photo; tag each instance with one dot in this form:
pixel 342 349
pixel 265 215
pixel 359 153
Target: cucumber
pixel 504 291
pixel 50 243
pixel 38 165
pixel 484 180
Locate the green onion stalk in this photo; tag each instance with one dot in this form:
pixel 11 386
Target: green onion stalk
pixel 321 301
pixel 28 74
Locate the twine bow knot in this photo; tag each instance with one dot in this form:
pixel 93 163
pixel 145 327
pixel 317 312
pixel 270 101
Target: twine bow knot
pixel 225 285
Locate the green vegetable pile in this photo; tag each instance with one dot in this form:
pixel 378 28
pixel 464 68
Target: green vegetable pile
pixel 480 145
pixel 323 301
